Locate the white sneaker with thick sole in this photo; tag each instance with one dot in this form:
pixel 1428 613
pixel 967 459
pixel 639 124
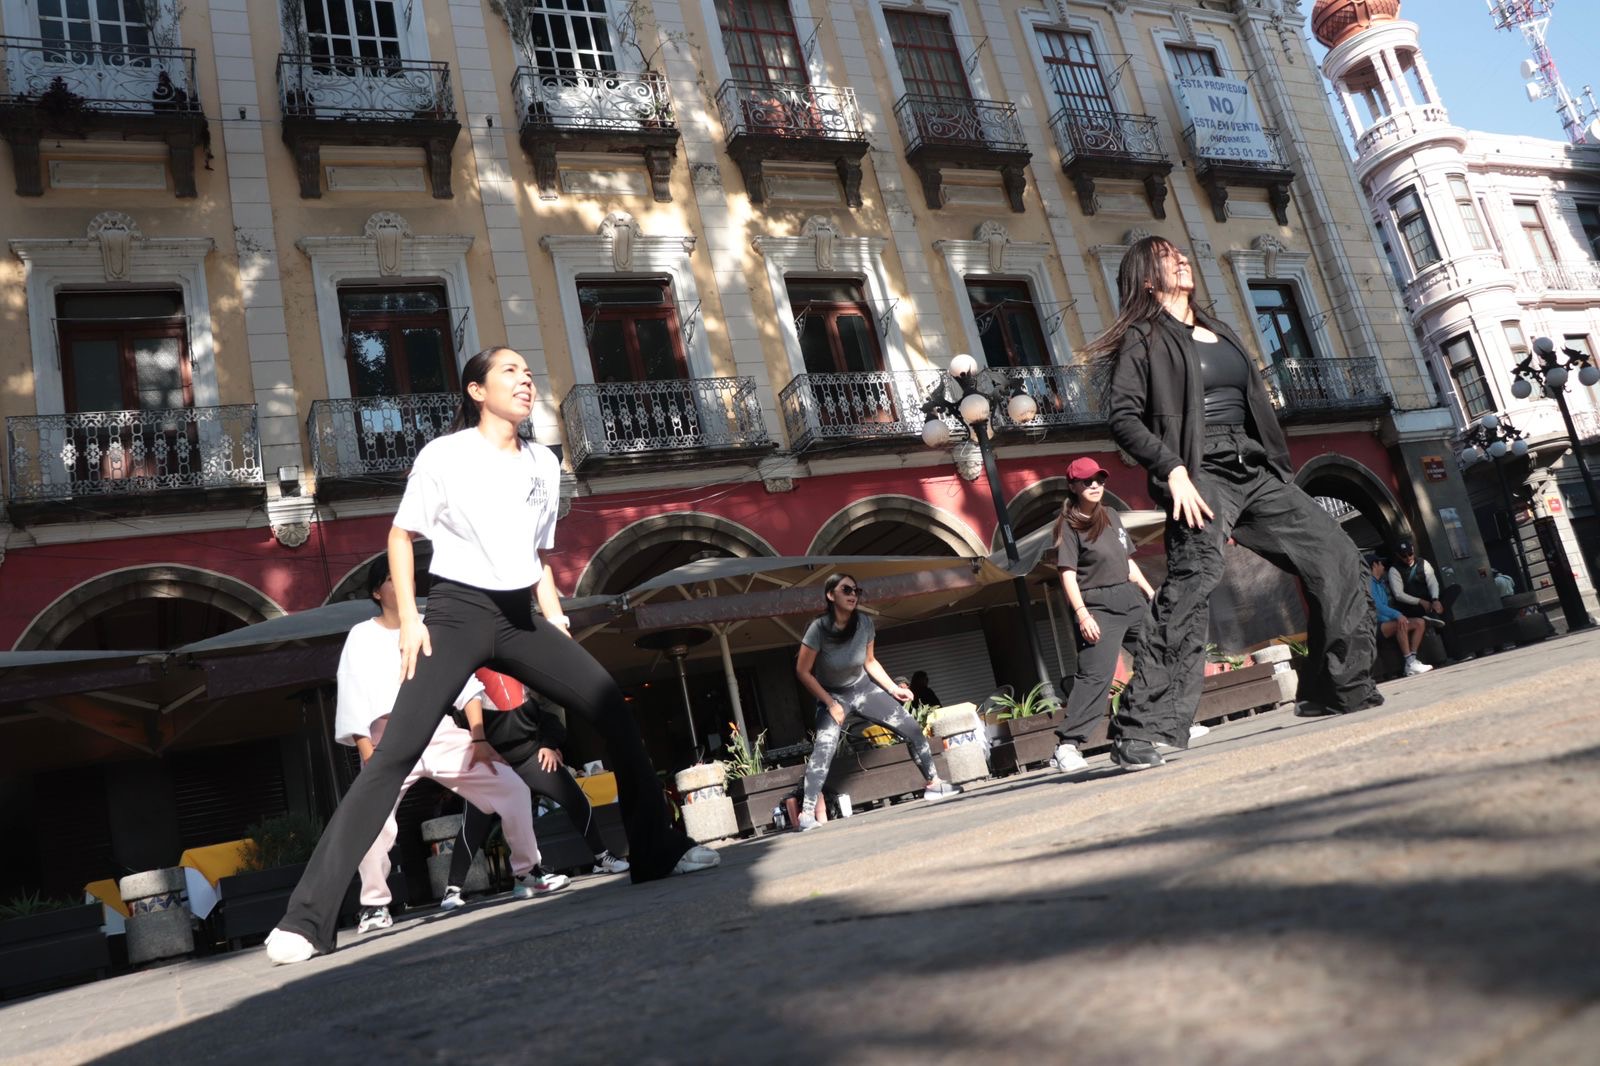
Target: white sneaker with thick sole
pixel 1068 758
pixel 1415 666
pixel 452 898
pixel 939 790
pixel 1198 730
pixel 540 884
pixel 284 947
pixel 807 822
pixel 697 858
pixel 607 863
pixel 374 918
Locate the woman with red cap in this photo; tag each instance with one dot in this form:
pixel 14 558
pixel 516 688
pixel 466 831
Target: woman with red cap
pixel 1109 595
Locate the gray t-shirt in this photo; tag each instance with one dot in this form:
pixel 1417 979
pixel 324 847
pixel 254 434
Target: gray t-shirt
pixel 840 663
pixel 1101 562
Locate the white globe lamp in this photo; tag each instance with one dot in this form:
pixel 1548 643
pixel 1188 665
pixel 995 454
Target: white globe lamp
pixel 1544 345
pixel 1519 448
pixel 1470 455
pixel 936 433
pixel 1490 421
pixel 1522 388
pixel 1022 408
pixel 1555 377
pixel 963 365
pixel 974 408
pixel 1498 449
pixel 1589 376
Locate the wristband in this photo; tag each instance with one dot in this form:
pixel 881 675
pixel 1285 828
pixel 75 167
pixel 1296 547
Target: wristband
pixel 560 620
pixel 1081 610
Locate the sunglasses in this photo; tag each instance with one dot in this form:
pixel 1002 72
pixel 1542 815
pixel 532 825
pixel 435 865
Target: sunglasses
pixel 852 590
pixel 1098 479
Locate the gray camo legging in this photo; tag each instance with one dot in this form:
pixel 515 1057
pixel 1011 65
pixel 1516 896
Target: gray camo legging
pixel 868 700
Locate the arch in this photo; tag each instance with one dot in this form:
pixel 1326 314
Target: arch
pixel 1037 506
pixel 80 604
pixel 949 530
pixel 1343 478
pixel 655 543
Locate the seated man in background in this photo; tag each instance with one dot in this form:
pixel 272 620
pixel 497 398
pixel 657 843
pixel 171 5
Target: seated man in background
pixel 1407 632
pixel 1414 587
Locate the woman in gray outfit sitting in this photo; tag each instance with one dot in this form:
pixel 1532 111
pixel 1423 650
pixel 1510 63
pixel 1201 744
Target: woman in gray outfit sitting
pixel 838 666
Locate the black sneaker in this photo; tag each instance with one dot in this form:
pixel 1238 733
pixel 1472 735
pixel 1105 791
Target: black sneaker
pixel 1133 754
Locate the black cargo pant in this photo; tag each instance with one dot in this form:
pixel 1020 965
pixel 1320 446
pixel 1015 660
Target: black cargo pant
pixel 1121 612
pixel 472 627
pixel 1282 524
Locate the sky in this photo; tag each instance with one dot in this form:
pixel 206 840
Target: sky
pixel 1476 66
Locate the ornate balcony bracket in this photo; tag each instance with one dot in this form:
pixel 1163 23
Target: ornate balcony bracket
pixel 1107 144
pixel 596 111
pixel 793 123
pixel 1217 175
pixel 943 133
pixel 388 103
pixel 78 90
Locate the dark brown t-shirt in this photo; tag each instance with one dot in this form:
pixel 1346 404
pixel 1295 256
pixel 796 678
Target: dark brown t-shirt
pixel 1099 562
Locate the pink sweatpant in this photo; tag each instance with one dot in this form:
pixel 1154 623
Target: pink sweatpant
pixel 488 786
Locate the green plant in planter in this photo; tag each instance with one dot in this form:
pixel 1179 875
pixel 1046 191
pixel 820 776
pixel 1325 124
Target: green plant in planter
pixel 28 903
pixel 1035 702
pixel 1117 689
pixel 744 758
pixel 923 713
pixel 1298 648
pixel 1215 654
pixel 282 840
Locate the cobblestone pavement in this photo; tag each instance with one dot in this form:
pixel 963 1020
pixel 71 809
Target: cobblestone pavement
pixel 1414 884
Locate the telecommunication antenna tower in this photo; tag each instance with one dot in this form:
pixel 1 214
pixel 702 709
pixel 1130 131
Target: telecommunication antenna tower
pixel 1580 118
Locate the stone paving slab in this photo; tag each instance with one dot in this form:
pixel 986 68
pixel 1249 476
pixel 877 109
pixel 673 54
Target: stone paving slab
pixel 1412 884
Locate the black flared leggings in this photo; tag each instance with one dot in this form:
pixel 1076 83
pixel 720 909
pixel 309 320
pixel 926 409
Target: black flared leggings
pixel 469 628
pixel 1121 612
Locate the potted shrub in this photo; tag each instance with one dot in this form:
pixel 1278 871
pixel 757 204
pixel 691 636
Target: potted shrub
pixel 45 941
pixel 1024 730
pixel 754 789
pixel 1218 662
pixel 252 901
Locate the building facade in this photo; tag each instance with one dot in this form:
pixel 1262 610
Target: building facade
pixel 1494 241
pixel 737 241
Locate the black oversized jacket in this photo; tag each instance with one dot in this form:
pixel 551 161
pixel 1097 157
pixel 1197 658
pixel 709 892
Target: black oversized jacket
pixel 1157 403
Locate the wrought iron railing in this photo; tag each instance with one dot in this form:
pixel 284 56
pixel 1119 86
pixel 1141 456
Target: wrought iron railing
pixel 361 88
pixel 71 78
pixel 866 405
pixel 1106 135
pixel 1563 277
pixel 628 418
pixel 592 99
pixel 1269 157
pixel 1065 395
pixel 1326 384
pixel 127 453
pixel 927 121
pixel 802 112
pixel 365 435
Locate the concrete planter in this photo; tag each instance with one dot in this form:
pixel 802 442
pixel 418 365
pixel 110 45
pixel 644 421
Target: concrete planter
pixel 1022 743
pixel 707 809
pixel 1281 659
pixel 159 923
pixel 965 753
pixel 251 904
pixel 53 947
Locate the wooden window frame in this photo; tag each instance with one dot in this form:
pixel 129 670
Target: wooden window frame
pixel 914 35
pixel 1467 375
pixel 740 21
pixel 1069 73
pixel 1536 227
pixel 395 323
pixel 1023 311
pixel 1414 239
pixel 1291 309
pixel 1193 61
pixel 630 314
pixel 125 332
pixel 829 312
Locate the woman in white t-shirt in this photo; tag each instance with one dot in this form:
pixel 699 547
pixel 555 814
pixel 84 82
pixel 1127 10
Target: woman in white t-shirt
pixel 487 500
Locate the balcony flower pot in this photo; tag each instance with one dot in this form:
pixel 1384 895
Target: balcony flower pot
pixel 52 947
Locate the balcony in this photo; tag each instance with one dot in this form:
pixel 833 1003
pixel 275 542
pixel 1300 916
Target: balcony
pixel 595 111
pixel 132 456
pixel 355 100
pixel 79 89
pixel 656 420
pixel 1068 397
pixel 1109 144
pixel 1313 390
pixel 1563 278
pixel 1401 126
pixel 1261 165
pixel 944 132
pixel 793 123
pixel 375 438
pixel 865 406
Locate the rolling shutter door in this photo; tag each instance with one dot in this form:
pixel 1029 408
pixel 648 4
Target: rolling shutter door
pixel 958 664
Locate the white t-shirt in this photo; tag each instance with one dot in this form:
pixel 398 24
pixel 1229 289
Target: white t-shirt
pixel 488 512
pixel 369 681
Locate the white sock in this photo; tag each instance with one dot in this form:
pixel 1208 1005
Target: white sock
pixel 1411 658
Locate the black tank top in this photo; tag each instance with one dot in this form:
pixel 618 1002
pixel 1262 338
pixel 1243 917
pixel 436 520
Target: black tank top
pixel 1225 372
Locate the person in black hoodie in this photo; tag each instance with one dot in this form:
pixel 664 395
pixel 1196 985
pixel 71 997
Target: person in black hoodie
pixel 1186 401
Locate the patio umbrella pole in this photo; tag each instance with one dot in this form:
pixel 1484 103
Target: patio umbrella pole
pixel 733 685
pixel 678 655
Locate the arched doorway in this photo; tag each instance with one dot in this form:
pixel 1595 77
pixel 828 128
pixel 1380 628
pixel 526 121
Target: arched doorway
pixel 894 525
pixel 154 607
pixel 652 546
pixel 1356 499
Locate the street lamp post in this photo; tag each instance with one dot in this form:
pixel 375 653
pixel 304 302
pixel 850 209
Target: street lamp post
pixel 981 393
pixel 1489 440
pixel 1550 374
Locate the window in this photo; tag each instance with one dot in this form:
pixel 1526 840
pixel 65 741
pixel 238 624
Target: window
pixel 1008 323
pixel 1533 227
pixel 1469 214
pixel 1589 219
pixel 633 332
pixel 1412 223
pixel 1395 270
pixel 835 326
pixel 1471 387
pixel 1075 71
pixel 925 49
pixel 569 35
pixel 762 45
pixel 125 351
pixel 113 23
pixel 363 29
pixel 398 342
pixel 1193 62
pixel 1279 324
pixel 1514 338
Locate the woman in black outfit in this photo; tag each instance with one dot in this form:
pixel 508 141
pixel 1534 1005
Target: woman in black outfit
pixel 487 500
pixel 1186 401
pixel 1109 596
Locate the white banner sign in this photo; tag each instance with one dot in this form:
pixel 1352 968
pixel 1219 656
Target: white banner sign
pixel 1224 120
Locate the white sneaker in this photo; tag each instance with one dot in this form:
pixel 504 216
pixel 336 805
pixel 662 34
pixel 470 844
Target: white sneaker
pixel 285 947
pixel 807 822
pixel 1198 730
pixel 607 863
pixel 939 790
pixel 698 858
pixel 373 918
pixel 452 898
pixel 1068 758
pixel 1415 666
pixel 538 884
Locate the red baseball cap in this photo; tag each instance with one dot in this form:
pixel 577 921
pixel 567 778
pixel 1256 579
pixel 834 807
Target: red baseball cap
pixel 1084 468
